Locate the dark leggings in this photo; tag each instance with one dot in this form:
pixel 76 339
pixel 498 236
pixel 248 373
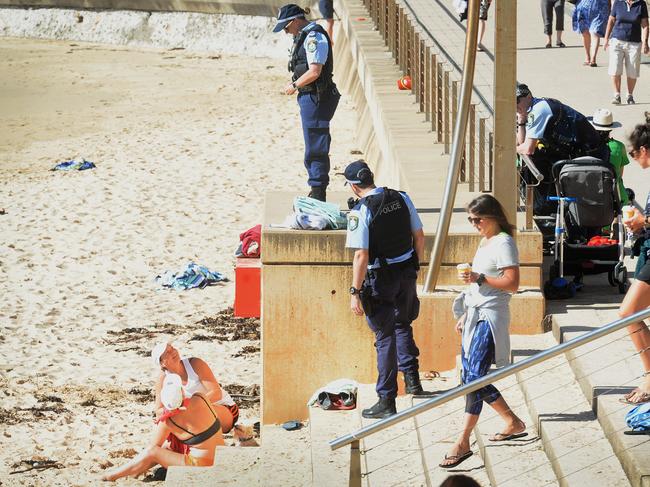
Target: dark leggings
pixel 547 15
pixel 476 365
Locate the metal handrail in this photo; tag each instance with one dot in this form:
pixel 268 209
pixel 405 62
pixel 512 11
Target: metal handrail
pixel 488 379
pixel 457 147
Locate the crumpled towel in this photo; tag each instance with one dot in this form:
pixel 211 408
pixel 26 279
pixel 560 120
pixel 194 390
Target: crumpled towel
pixel 193 275
pixel 337 386
pixel 73 165
pixel 331 212
pixel 250 242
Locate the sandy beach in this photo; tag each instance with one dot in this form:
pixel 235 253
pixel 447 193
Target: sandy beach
pixel 185 143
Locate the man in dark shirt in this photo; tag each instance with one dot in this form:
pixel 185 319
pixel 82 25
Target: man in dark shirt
pixel 627 19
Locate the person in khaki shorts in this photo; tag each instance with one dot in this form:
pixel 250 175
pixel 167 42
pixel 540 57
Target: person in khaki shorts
pixel 628 28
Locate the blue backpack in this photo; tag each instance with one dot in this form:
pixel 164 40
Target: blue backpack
pixel 638 418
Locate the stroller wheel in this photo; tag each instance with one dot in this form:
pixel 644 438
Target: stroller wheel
pixel 611 278
pixel 621 278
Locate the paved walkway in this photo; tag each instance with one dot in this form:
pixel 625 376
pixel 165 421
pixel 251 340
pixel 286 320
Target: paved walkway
pixel 555 72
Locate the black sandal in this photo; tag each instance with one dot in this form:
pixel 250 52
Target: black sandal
pixel 456 459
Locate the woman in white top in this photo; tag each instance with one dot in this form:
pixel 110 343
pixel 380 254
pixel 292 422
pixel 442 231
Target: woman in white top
pixel 483 321
pixel 196 376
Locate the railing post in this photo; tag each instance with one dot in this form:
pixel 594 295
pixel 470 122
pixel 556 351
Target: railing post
pixel 481 154
pixel 441 102
pixel 427 83
pixel 447 113
pixel 471 147
pixel 422 77
pixel 355 465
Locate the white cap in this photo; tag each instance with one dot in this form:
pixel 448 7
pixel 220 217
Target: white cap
pixel 157 351
pixel 171 394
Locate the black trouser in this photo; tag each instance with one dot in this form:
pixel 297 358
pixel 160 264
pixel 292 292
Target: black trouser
pixel 547 15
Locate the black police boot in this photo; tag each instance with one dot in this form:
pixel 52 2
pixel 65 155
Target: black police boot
pixel 385 407
pixel 413 385
pixel 317 192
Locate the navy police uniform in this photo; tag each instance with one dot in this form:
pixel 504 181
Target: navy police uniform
pixel 317 101
pixel 563 133
pixel 383 222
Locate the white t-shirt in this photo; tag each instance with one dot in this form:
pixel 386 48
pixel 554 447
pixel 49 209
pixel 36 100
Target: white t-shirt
pixel 491 258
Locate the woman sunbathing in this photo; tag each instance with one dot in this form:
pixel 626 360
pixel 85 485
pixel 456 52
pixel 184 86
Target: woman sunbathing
pixel 196 376
pixel 193 421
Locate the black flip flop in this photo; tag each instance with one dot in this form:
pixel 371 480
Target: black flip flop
pixel 458 459
pixel 635 432
pixel 508 437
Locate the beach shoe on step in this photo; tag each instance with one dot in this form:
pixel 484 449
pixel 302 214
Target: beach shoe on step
pixel 456 459
pixel 507 437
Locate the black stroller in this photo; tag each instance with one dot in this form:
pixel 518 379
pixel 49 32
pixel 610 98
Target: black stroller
pixel 594 205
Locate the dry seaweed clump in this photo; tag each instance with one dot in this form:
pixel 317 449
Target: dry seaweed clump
pixel 244 396
pixel 227 327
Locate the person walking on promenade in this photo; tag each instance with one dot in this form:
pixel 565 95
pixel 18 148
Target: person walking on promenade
pixel 484 7
pixel 589 20
pixel 638 295
pixel 326 8
pixel 548 6
pixel 483 321
pixel 312 65
pixel 386 233
pixel 603 122
pixel 627 20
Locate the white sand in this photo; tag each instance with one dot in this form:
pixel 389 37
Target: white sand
pixel 185 146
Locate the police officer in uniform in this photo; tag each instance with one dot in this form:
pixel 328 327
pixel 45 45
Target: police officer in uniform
pixel 386 233
pixel 311 64
pixel 549 131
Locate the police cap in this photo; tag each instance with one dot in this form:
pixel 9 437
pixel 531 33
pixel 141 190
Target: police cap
pixel 286 14
pixel 358 172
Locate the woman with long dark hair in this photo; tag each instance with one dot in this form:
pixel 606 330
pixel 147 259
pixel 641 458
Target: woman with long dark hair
pixel 483 320
pixel 638 296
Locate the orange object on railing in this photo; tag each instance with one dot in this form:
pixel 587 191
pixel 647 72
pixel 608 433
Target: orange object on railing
pixel 404 83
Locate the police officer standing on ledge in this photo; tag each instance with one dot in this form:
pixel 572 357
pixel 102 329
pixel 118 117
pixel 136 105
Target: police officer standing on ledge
pixel 386 232
pixel 311 64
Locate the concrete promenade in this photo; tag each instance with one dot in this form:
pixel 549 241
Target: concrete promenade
pixel 555 72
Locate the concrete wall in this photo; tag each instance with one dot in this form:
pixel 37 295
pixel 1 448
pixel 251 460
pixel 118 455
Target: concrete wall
pixel 242 7
pixel 309 335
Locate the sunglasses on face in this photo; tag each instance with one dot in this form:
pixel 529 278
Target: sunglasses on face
pixel 474 220
pixel 287 26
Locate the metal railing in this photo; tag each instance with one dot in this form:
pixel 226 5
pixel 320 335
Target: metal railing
pixel 354 438
pixel 437 87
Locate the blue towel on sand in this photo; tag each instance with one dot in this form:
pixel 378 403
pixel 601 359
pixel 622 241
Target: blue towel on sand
pixel 193 275
pixel 73 165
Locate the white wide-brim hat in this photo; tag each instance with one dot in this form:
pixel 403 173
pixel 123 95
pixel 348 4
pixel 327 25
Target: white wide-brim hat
pixel 171 394
pixel 603 119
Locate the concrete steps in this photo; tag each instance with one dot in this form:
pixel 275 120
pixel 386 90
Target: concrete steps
pixel 437 431
pixel 392 456
pixel 571 435
pixel 508 463
pixel 605 369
